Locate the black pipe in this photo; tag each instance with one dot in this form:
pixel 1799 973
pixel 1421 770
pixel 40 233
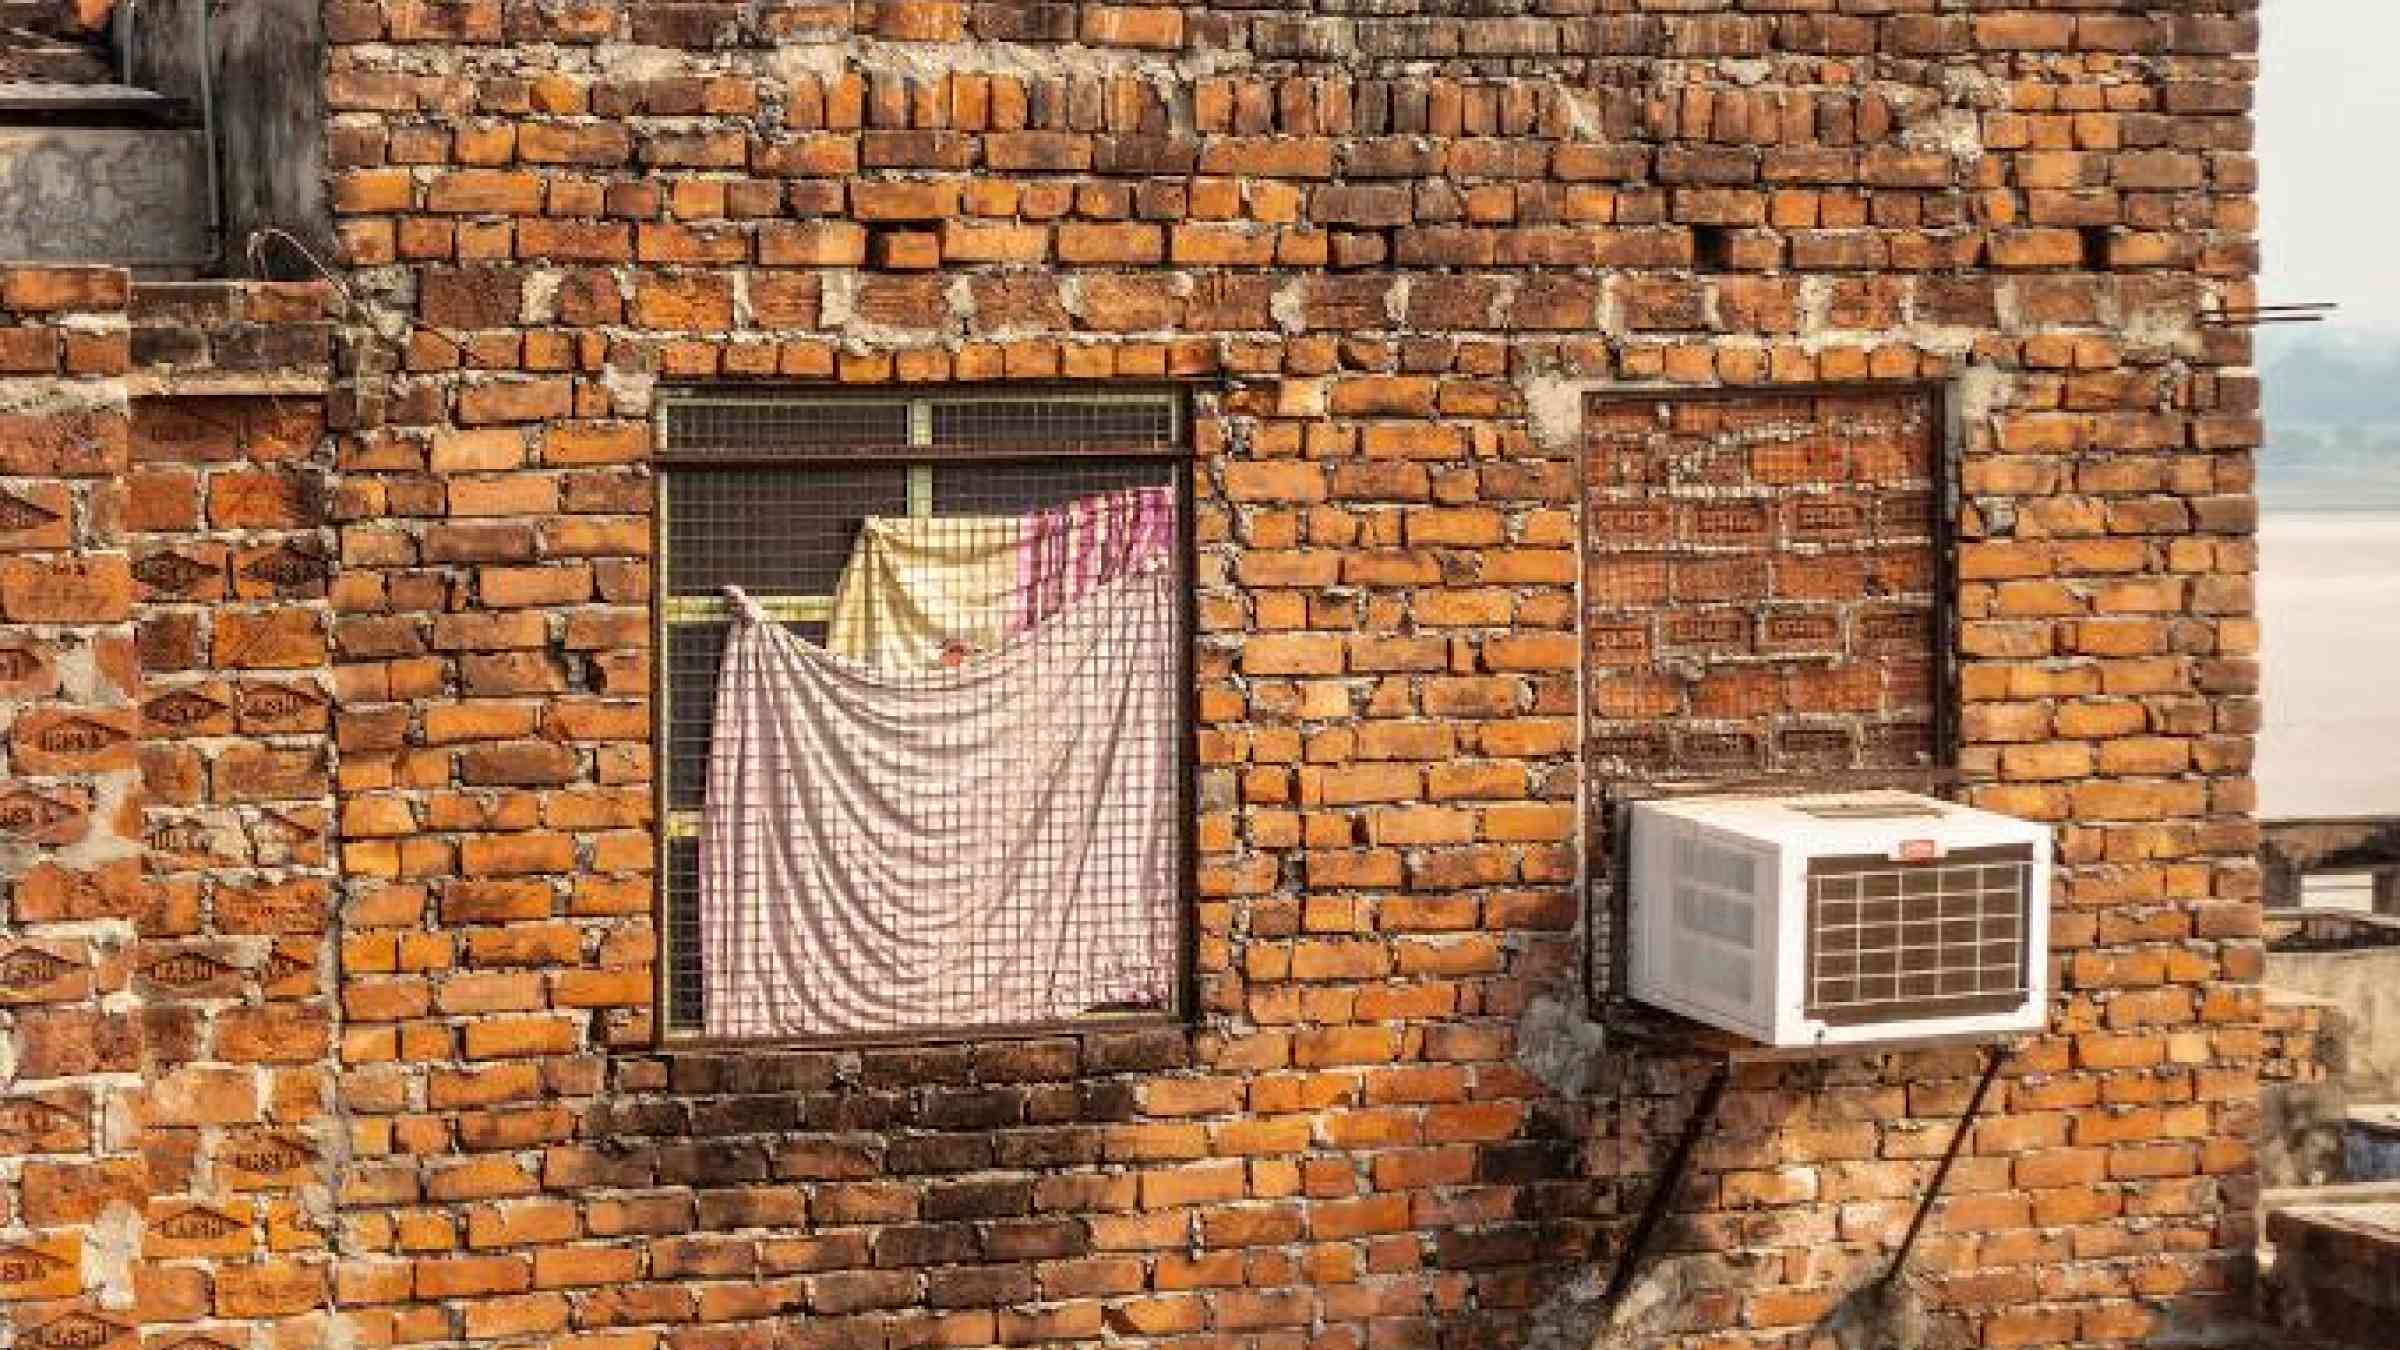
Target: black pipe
pixel 1662 1196
pixel 1941 1174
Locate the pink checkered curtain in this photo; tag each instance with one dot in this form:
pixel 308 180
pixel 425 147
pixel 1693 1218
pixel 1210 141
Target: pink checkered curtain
pixel 990 844
pixel 1069 550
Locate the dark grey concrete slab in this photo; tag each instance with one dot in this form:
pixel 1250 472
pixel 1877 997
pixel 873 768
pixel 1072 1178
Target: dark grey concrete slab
pixel 130 196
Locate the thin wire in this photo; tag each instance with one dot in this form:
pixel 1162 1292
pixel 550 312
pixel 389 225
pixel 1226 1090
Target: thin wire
pixel 254 251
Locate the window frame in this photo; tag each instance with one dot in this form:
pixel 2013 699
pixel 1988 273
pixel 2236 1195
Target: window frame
pixel 920 458
pixel 1604 879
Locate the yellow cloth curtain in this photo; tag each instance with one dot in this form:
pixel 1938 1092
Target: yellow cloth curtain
pixel 923 592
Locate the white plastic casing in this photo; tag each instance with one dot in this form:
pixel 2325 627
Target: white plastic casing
pixel 1706 872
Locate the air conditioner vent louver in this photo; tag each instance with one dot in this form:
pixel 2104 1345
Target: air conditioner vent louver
pixel 1834 921
pixel 1915 940
pixel 1870 809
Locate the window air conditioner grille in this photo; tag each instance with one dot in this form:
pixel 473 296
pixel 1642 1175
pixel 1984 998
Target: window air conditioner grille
pixel 1716 917
pixel 1889 941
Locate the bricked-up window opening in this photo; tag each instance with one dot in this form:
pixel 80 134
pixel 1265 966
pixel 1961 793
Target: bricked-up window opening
pixel 1762 595
pixel 964 801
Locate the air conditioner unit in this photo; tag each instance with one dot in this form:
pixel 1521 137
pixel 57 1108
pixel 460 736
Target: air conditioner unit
pixel 1839 920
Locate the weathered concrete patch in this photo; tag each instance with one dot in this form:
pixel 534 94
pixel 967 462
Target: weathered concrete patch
pixel 1890 1314
pixel 1560 1046
pixel 79 194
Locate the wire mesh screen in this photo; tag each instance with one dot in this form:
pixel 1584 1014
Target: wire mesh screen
pixel 1891 941
pixel 1012 421
pixel 767 529
pixel 924 741
pixel 1760 577
pixel 730 423
pixel 1762 604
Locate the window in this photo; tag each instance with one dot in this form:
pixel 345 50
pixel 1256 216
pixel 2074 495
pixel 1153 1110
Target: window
pixel 924 712
pixel 1765 602
pixel 1763 597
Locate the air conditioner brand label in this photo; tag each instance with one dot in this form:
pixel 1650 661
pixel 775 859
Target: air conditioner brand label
pixel 1918 850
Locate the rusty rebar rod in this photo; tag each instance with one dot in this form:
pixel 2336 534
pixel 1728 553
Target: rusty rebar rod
pixel 1670 1181
pixel 1941 1174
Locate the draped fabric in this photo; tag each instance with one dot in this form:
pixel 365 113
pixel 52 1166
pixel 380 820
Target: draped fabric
pixel 1068 550
pixel 990 843
pixel 922 591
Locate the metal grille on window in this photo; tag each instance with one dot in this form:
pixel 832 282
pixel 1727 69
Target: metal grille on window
pixel 1762 598
pixel 1761 586
pixel 1891 941
pixel 924 731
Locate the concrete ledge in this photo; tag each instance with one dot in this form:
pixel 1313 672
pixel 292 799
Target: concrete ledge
pixel 226 384
pixel 135 197
pixel 2337 1268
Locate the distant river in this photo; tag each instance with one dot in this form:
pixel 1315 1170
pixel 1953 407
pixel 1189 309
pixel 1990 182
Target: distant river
pixel 2329 602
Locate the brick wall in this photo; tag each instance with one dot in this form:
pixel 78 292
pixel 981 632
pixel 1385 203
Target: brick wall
pixel 70 813
pixel 168 967
pixel 1393 255
pixel 232 561
pixel 2295 1044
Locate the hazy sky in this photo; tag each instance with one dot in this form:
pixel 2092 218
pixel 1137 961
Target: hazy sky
pixel 2329 157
